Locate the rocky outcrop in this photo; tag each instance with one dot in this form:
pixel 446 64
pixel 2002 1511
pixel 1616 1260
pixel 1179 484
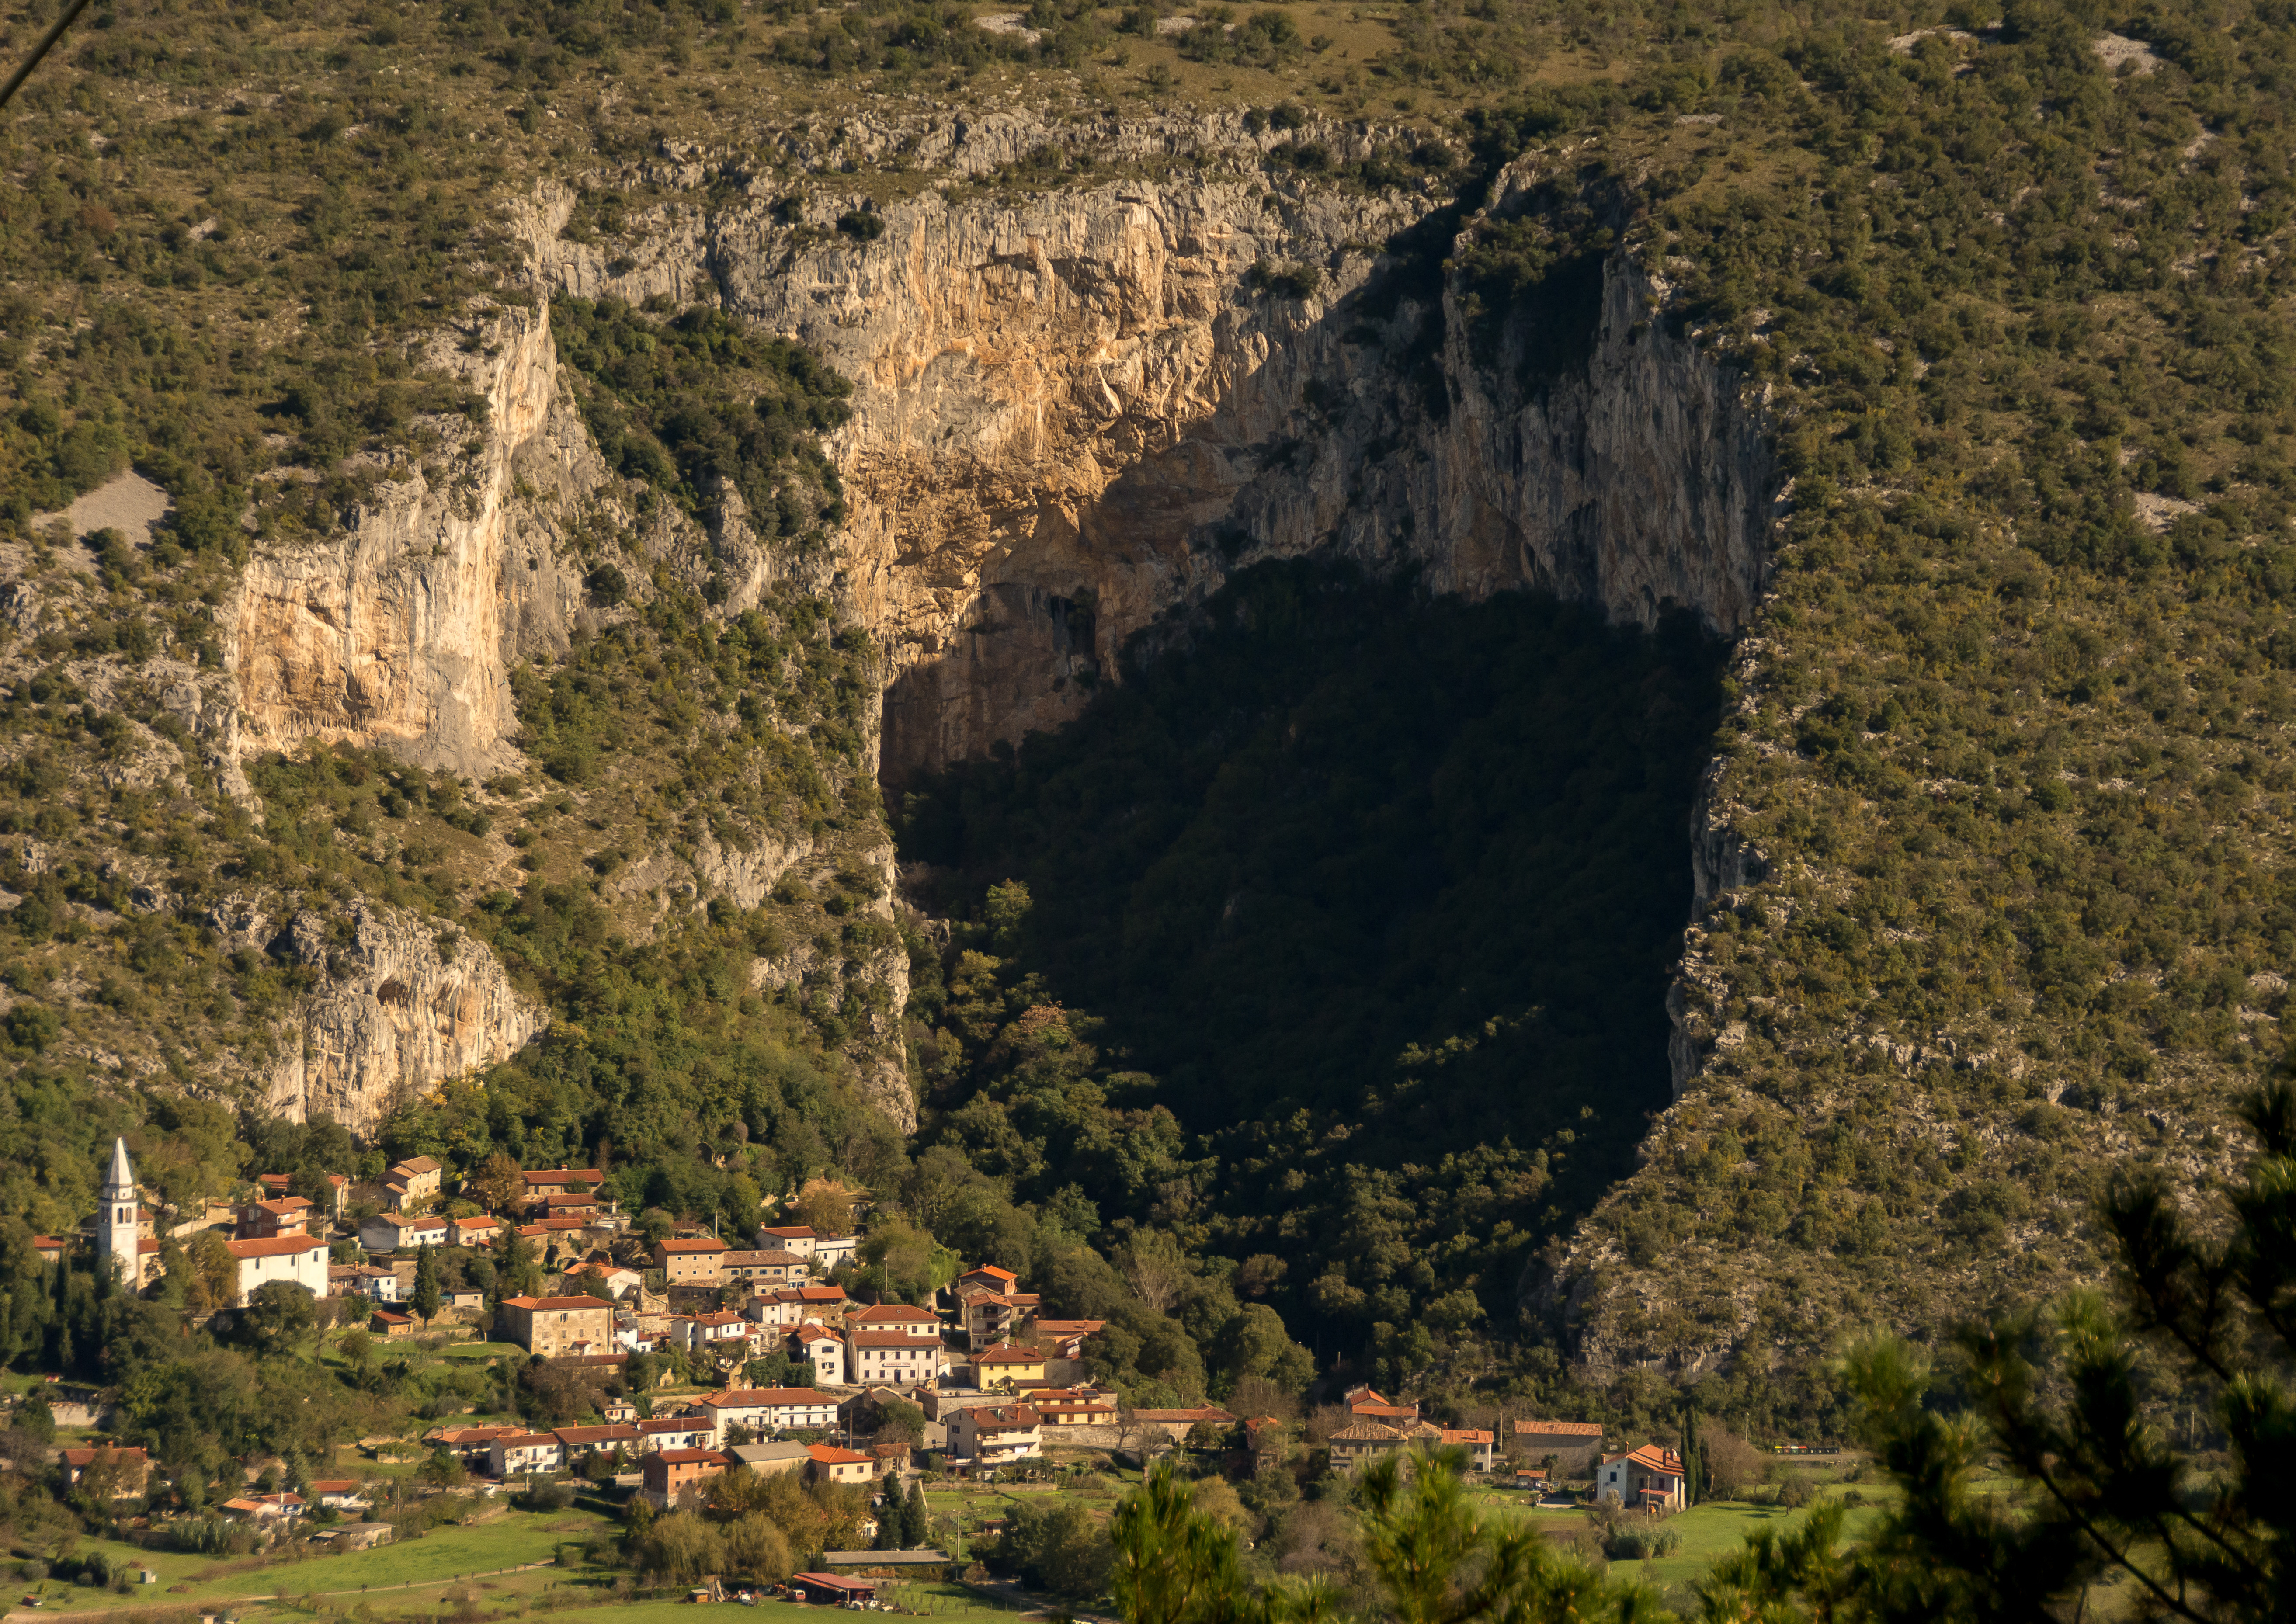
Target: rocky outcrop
pixel 398 1010
pixel 708 869
pixel 400 630
pixel 1076 411
pixel 1054 401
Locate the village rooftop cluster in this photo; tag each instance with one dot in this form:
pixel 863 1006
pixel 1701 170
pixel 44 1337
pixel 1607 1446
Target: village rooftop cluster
pixel 993 1380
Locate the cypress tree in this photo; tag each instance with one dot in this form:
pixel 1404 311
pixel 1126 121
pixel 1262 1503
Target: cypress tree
pixel 426 1284
pixel 913 1516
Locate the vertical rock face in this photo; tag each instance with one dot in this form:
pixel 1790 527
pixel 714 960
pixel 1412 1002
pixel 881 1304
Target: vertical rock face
pixel 393 1016
pixel 1074 413
pixel 1053 402
pixel 401 629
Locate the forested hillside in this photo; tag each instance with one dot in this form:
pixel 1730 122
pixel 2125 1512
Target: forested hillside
pixel 1314 985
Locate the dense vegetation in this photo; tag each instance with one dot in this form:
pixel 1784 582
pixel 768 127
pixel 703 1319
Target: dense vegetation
pixel 692 403
pixel 2014 744
pixel 2011 741
pixel 1346 949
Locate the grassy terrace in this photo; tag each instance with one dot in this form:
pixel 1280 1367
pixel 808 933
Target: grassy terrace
pixel 477 1552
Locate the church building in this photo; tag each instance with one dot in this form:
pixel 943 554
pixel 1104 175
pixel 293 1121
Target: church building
pixel 120 1244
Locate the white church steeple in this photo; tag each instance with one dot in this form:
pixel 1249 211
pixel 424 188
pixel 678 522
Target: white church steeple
pixel 115 1237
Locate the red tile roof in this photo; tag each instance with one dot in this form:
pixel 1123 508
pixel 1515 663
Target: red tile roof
pixel 1649 1457
pixel 759 1398
pixel 278 1246
pixel 1009 1353
pixel 1013 1418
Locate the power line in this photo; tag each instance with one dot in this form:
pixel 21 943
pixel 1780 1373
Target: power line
pixel 46 42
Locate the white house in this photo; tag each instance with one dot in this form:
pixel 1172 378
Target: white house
pixel 341 1494
pixel 1648 1477
pixel 299 1259
pixel 604 1280
pixel 825 1348
pixel 767 1410
pixel 395 1232
pixel 675 1433
pixel 719 1331
pixel 895 1358
pixel 515 1452
pixel 994 1436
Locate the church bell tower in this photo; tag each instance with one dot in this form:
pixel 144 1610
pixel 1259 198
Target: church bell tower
pixel 116 1236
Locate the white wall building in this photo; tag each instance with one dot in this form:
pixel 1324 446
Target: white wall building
pixel 299 1259
pixel 895 1359
pixel 767 1410
pixel 120 1243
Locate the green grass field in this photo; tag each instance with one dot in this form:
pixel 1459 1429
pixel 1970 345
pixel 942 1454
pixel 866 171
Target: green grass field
pixel 506 1539
pixel 1706 1531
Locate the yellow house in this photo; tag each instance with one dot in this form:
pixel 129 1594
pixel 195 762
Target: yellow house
pixel 1007 1362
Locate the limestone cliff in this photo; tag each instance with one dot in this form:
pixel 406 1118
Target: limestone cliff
pixel 1078 410
pixel 401 629
pixel 1074 413
pixel 398 1010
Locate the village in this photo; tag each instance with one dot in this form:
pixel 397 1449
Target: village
pixel 676 1359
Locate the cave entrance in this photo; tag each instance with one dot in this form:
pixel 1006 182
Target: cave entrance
pixel 1352 874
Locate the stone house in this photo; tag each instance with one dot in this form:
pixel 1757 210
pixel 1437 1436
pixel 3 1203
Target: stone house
pixel 1574 1444
pixel 555 1325
pixel 409 1184
pixel 761 1270
pixel 698 1261
pixel 264 1220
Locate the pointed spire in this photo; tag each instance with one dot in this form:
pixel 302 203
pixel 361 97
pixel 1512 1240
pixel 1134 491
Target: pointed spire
pixel 122 1176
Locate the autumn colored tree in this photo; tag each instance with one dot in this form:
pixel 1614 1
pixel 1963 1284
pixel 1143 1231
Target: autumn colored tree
pixel 825 1205
pixel 499 1185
